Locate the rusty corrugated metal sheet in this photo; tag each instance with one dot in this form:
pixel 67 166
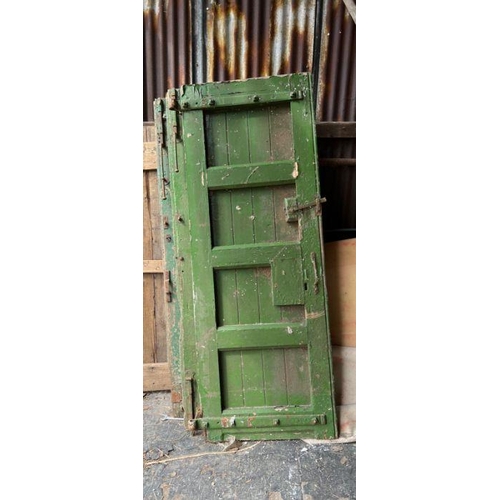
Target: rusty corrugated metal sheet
pixel 166 48
pixel 249 39
pixel 337 66
pixel 198 41
pixel 213 40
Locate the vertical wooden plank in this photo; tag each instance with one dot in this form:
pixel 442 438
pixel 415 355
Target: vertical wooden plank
pixel 221 218
pixel 273 367
pixel 238 153
pixel 268 312
pixel 253 379
pixel 263 207
pixel 307 183
pixel 281 136
pixel 298 378
pixel 281 147
pixel 292 314
pixel 263 212
pixel 237 137
pixel 285 231
pixel 220 201
pixel 248 297
pixel 259 140
pixel 148 323
pixel 148 335
pixel 155 217
pixel 340 275
pixel 225 297
pixel 216 139
pixel 158 280
pixel 161 343
pixel 242 216
pixel 204 310
pixel 147 236
pixel 148 132
pixel 231 383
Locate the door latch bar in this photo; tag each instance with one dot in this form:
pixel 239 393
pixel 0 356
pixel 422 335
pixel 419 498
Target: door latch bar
pixel 292 207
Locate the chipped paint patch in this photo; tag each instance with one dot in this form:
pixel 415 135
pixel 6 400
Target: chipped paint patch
pixel 228 422
pixel 250 174
pixel 295 172
pixel 314 315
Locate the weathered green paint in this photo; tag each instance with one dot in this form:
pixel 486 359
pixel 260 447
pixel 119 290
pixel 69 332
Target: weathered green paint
pixel 172 308
pixel 261 335
pixel 288 281
pixel 250 298
pixel 242 176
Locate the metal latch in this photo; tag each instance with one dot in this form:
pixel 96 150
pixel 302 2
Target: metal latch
pixel 292 207
pixel 168 292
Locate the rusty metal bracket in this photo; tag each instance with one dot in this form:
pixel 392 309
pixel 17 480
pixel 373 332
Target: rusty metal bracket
pixel 258 422
pixel 189 416
pixel 164 182
pixel 292 207
pixel 239 99
pixel 168 292
pixel 158 109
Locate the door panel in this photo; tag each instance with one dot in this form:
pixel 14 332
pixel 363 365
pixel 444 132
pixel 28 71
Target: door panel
pixel 249 267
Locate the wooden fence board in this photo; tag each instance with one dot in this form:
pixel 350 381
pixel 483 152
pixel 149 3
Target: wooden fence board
pixel 148 346
pixel 156 377
pixel 152 266
pixel 149 156
pixel 340 273
pixel 154 317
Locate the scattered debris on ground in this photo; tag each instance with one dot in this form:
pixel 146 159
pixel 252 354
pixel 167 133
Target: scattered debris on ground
pixel 179 466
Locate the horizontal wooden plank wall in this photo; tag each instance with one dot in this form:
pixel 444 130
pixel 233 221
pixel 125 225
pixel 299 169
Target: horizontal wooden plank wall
pixel 155 346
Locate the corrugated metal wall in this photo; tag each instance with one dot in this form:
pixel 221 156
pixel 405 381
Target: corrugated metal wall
pixel 198 41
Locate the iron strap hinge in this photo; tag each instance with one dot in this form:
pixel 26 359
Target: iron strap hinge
pixel 173 106
pixel 158 108
pixel 242 422
pixel 292 207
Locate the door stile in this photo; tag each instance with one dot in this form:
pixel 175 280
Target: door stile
pixel 204 313
pixel 316 318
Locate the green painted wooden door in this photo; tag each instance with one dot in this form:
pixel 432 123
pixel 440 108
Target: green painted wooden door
pixel 247 258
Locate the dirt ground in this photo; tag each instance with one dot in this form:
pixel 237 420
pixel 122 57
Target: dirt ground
pixel 180 466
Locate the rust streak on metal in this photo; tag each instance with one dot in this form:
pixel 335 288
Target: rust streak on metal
pixel 210 48
pixel 242 39
pixel 220 42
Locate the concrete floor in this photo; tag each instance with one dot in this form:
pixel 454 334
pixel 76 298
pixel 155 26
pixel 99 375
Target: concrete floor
pixel 266 470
